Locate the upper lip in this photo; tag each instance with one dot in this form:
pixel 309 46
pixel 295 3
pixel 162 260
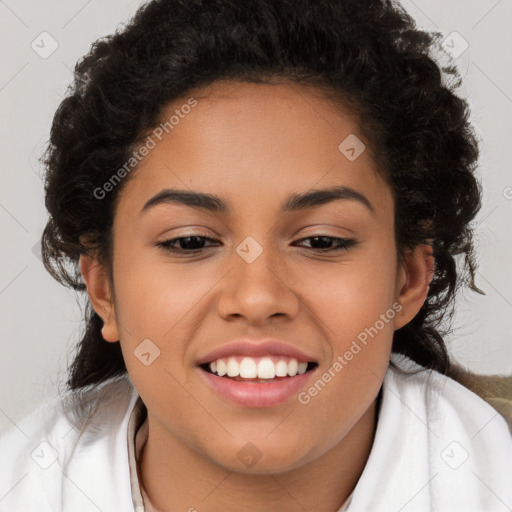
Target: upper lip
pixel 255 348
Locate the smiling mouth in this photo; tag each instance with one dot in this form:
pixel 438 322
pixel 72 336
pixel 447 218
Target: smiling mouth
pixel 258 370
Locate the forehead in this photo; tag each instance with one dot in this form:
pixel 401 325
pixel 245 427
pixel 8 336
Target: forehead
pixel 246 141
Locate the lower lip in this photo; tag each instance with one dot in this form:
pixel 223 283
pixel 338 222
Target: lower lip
pixel 252 394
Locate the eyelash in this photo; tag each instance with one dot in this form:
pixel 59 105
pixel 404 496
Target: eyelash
pixel 344 244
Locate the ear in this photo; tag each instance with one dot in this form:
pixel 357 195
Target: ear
pixel 98 288
pixel 413 281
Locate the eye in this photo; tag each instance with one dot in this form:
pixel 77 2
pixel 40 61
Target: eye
pixel 195 243
pixel 192 243
pixel 321 243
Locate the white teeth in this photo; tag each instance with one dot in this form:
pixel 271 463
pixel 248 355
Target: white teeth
pixel 293 367
pixel 221 368
pixel 282 369
pixel 233 367
pixel 261 368
pixel 266 369
pixel 248 368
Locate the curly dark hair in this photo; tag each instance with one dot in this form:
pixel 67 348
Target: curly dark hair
pixel 367 53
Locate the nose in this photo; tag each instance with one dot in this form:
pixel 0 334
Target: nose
pixel 258 290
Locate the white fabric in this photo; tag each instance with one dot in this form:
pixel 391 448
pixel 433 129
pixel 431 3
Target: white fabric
pixel 137 429
pixel 438 446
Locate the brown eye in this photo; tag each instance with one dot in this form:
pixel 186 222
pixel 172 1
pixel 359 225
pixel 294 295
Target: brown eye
pixel 192 243
pixel 196 243
pixel 324 243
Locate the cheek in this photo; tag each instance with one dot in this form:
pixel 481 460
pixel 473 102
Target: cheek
pixel 351 295
pixel 354 305
pixel 162 302
pixel 152 294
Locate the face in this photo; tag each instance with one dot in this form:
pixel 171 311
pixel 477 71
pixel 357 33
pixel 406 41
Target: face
pixel 318 276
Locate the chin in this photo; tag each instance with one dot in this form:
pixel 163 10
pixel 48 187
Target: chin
pixel 252 458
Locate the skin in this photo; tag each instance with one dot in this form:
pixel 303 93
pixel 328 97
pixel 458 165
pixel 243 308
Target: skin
pixel 253 145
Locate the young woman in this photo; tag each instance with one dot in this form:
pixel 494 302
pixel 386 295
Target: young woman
pixel 265 202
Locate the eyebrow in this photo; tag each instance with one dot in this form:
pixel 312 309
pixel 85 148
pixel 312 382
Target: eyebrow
pixel 295 202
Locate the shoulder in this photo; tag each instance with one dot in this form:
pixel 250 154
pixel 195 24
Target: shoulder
pixel 445 399
pixel 438 446
pixel 496 390
pixel 467 442
pixel 63 451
